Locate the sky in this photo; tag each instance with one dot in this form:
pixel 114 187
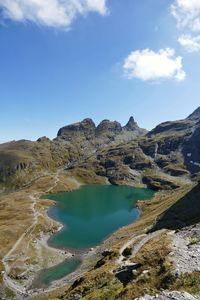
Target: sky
pixel 65 60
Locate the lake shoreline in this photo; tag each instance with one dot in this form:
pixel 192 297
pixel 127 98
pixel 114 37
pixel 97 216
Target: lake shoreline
pixel 85 255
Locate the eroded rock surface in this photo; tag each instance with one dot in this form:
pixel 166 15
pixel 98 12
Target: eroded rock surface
pixel 185 253
pixel 170 296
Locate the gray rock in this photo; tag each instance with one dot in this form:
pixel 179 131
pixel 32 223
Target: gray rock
pixel 170 296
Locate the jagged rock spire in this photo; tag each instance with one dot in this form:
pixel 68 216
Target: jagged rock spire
pixel 195 114
pixel 131 125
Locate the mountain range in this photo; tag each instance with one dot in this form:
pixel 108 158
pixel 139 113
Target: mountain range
pixel 123 154
pixel 158 254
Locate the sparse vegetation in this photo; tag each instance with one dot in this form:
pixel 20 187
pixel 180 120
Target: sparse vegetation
pixel 158 160
pixel 194 241
pixel 6 293
pixel 189 282
pixel 155 271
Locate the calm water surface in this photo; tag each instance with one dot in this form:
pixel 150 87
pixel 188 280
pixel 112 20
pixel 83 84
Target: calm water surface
pixel 92 212
pixel 55 273
pixel 89 215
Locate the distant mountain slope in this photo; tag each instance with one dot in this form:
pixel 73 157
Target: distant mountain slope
pixel 72 144
pixel 124 154
pixel 180 137
pixel 106 132
pixel 135 259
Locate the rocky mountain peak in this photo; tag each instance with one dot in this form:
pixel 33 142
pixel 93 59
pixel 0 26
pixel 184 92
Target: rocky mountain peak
pixel 86 131
pixel 195 114
pixel 131 125
pixel 109 126
pixel 86 128
pixel 131 120
pixel 88 121
pixel 43 139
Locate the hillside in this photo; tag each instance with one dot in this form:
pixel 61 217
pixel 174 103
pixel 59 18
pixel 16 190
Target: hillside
pixel 171 148
pixel 136 260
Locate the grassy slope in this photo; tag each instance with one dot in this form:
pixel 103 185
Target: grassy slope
pixel 100 283
pixel 15 208
pixel 185 212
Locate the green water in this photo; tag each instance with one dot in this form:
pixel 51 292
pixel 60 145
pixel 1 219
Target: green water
pixel 89 215
pixel 92 212
pixel 55 273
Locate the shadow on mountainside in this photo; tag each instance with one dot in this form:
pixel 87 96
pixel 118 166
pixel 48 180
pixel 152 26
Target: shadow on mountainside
pixel 185 212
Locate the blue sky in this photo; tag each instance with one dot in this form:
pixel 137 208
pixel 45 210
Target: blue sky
pixel 57 71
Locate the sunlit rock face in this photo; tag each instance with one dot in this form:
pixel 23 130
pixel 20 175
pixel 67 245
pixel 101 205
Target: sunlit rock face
pixel 90 137
pixel 120 153
pixel 107 126
pixel 84 129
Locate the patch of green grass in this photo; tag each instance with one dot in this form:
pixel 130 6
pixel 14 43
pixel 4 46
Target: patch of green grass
pixel 194 242
pixel 9 294
pixel 189 282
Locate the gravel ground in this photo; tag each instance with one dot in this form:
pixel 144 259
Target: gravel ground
pixel 170 296
pixel 185 256
pixel 185 253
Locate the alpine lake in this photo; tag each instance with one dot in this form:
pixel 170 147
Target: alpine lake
pixel 89 215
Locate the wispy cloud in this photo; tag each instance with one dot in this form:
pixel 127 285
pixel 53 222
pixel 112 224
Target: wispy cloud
pixel 148 65
pixel 52 13
pixel 190 43
pixel 187 15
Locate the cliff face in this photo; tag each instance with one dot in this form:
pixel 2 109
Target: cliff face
pixel 133 126
pixel 181 137
pixel 166 158
pixel 78 131
pixel 107 127
pixel 73 143
pixel 107 131
pixel 121 153
pixel 160 159
pixel 195 114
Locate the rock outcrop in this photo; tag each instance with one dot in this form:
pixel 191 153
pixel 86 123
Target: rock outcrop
pixel 195 114
pixel 43 139
pixel 170 296
pixel 123 154
pixel 80 130
pixel 166 158
pixel 107 131
pixel 133 126
pixel 107 127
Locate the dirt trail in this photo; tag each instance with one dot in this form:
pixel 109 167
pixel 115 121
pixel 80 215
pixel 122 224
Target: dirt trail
pixel 137 242
pixel 34 198
pixel 143 239
pixel 126 245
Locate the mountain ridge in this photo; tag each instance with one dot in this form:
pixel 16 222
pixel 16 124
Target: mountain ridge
pixel 170 148
pixel 166 159
pixel 106 128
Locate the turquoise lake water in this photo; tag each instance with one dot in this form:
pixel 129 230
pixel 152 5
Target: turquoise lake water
pixel 89 215
pixel 59 271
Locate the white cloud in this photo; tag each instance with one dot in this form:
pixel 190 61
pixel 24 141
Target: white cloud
pixel 187 13
pixel 52 13
pixel 149 65
pixel 190 43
